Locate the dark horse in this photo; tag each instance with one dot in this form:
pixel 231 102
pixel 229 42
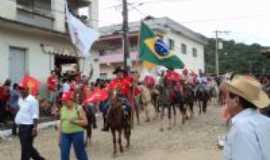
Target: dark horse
pixel 202 97
pixel 119 120
pixel 154 97
pixel 90 114
pixel 189 98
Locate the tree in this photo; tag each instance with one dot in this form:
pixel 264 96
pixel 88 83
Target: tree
pixel 237 57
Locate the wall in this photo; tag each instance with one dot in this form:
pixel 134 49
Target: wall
pixel 59 6
pixel 191 62
pixel 89 63
pixel 8 9
pixel 38 63
pixel 93 13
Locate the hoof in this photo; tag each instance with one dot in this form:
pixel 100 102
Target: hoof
pixel 161 129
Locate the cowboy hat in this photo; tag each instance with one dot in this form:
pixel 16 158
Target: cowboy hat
pixel 248 88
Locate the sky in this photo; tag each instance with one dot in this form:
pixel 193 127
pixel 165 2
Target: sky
pixel 246 20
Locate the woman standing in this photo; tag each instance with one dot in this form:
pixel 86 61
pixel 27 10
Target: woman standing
pixel 72 121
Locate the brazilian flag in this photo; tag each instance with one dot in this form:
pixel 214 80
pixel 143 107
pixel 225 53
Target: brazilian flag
pixel 154 50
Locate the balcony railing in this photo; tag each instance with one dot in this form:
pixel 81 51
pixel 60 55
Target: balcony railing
pixel 35 16
pixel 115 57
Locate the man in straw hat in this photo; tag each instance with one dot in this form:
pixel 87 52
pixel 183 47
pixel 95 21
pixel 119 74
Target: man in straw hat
pixel 249 137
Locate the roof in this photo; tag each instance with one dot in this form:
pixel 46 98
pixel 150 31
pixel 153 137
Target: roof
pixel 159 24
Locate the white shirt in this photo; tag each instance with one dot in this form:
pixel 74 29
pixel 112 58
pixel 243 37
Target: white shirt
pixel 249 137
pixel 66 87
pixel 28 110
pixel 202 80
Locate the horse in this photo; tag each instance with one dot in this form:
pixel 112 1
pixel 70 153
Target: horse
pixel 90 114
pixel 202 97
pixel 155 100
pixel 189 98
pixel 166 101
pixel 119 121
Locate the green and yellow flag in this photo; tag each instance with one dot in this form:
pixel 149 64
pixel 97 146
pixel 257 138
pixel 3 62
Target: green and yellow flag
pixel 154 50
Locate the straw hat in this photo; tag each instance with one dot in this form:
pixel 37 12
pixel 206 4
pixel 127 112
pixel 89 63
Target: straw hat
pixel 248 88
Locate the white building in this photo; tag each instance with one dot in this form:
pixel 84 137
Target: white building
pixel 33 37
pixel 185 43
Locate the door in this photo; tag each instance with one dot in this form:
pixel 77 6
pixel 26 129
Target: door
pixel 17 64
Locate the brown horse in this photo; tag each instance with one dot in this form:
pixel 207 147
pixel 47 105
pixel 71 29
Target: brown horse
pixel 119 121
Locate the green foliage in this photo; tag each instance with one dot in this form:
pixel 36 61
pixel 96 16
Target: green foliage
pixel 237 57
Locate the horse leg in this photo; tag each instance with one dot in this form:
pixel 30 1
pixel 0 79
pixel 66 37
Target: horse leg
pixel 146 111
pixel 162 118
pixel 191 109
pixel 200 107
pixel 204 106
pixel 89 134
pixel 137 113
pixel 170 116
pixel 174 115
pixel 183 114
pixel 157 109
pixel 127 133
pixel 114 141
pixel 120 140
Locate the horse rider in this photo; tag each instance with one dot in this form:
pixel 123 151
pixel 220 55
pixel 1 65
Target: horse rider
pixel 202 82
pixel 119 88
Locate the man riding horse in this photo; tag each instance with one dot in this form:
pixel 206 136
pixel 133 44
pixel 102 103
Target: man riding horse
pixel 202 91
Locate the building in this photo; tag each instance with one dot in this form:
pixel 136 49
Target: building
pixel 34 38
pixel 185 43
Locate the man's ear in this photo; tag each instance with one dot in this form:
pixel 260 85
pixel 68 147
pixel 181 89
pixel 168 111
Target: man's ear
pixel 236 100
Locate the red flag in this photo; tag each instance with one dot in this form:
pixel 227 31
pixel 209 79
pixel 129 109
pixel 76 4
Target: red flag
pixel 31 83
pixel 97 95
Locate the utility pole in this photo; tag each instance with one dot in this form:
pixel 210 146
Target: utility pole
pixel 125 35
pixel 217 48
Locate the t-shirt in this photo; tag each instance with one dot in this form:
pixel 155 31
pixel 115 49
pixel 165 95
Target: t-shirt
pixel 66 115
pixel 52 83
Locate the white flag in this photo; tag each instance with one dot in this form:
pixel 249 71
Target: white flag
pixel 82 36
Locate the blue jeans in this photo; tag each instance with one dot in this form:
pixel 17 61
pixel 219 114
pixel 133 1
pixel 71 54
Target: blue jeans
pixel 77 139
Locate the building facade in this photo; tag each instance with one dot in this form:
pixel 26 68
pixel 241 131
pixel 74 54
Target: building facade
pixel 33 37
pixel 185 43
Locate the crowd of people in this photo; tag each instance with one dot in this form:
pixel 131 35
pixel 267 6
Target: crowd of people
pixel 70 99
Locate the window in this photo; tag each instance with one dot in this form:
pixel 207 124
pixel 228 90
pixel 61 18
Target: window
pixel 102 52
pixel 103 76
pixel 184 48
pixel 40 5
pixel 26 3
pixel 194 52
pixel 171 44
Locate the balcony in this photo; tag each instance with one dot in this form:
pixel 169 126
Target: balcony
pixel 38 13
pixel 79 3
pixel 117 57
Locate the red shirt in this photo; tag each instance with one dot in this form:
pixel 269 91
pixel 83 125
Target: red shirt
pixel 52 83
pixel 4 94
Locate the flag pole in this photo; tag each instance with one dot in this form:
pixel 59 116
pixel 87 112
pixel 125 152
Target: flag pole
pixel 125 35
